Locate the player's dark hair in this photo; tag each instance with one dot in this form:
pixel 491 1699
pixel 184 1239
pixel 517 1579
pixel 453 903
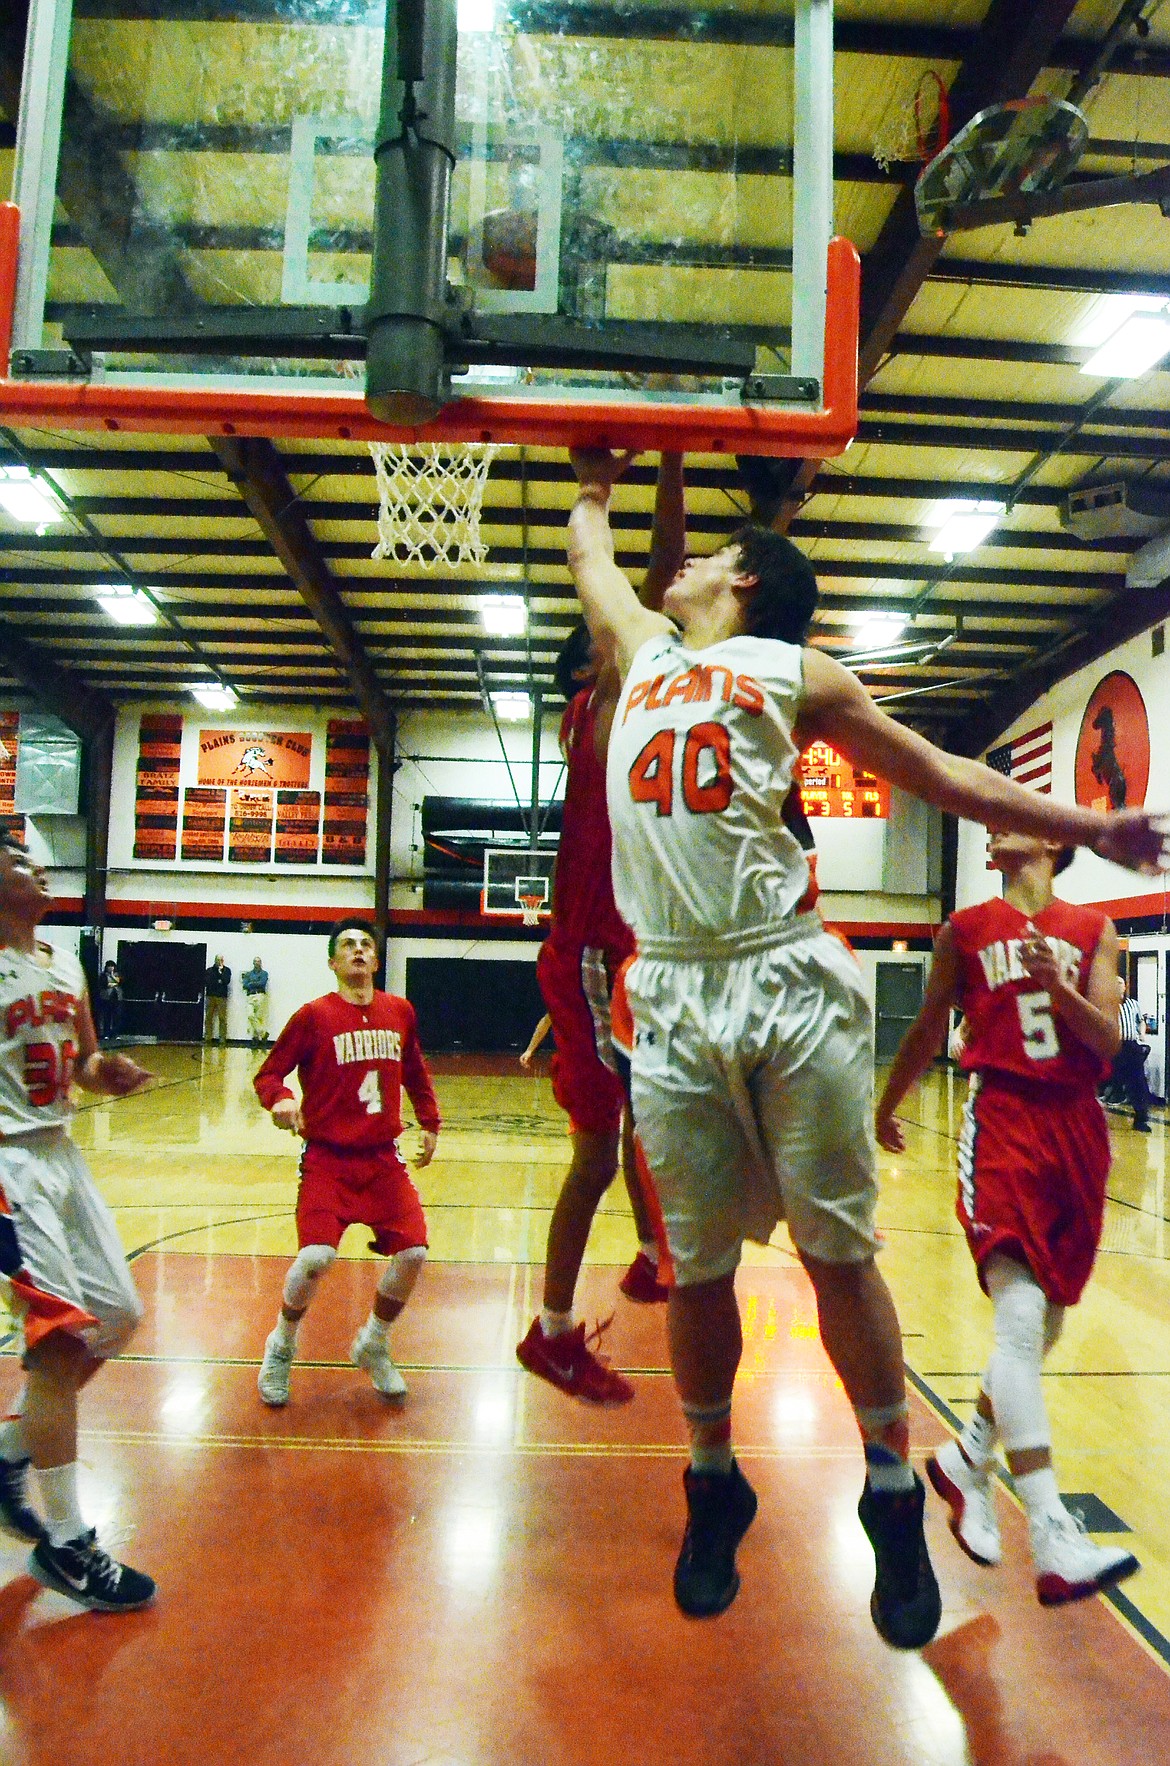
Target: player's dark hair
pixel 1064 859
pixel 354 924
pixel 785 598
pixel 573 656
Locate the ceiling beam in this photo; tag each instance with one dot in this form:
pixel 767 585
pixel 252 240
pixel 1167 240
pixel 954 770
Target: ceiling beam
pixel 60 690
pixel 255 468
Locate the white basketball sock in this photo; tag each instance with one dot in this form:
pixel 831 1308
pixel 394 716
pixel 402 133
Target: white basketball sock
pixel 58 1487
pixel 555 1324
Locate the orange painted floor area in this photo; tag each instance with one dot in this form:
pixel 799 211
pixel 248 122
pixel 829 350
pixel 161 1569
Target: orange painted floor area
pixel 481 1577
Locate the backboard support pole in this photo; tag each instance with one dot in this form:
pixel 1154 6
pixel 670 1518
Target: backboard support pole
pixel 406 376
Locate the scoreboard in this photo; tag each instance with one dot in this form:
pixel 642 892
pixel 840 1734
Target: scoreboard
pixel 830 785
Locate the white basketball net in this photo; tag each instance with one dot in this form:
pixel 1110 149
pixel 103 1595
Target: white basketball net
pixel 530 906
pixel 431 499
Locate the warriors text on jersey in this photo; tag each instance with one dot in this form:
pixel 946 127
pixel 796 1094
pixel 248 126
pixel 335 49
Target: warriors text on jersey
pixel 700 757
pixel 352 1062
pixel 39 1036
pixel 583 909
pixel 1010 1024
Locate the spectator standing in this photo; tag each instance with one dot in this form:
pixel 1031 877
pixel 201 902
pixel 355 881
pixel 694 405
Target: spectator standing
pixel 255 985
pixel 217 984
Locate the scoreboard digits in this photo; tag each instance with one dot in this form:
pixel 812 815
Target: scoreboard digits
pixel 831 786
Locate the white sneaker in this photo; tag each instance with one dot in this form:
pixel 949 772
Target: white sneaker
pixel 1069 1566
pixel 966 1489
pixel 274 1371
pixel 370 1353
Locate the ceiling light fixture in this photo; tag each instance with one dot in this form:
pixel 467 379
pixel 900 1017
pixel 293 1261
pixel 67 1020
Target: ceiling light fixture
pixel 214 695
pixel 126 606
pixel 1137 346
pixel 512 708
pixel 873 628
pixel 504 616
pixel 476 15
pixel 28 498
pixel 963 524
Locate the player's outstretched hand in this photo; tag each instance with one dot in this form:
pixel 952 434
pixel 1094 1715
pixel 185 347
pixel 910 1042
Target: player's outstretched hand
pixel 1139 839
pixel 428 1140
pixel 119 1076
pixel 601 466
pixel 890 1133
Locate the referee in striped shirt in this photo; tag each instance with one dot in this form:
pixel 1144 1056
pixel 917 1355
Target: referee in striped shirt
pixel 1129 1063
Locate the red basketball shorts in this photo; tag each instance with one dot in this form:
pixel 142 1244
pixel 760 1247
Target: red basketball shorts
pixel 374 1189
pixel 1033 1161
pixel 575 982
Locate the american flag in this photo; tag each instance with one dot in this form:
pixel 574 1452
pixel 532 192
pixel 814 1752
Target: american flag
pixel 1026 759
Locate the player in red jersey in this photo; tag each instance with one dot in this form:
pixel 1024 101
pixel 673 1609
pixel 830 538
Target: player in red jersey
pixel 1036 980
pixel 354 1051
pixel 587 944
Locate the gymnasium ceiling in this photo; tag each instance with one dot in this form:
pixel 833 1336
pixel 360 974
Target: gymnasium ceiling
pixel 972 387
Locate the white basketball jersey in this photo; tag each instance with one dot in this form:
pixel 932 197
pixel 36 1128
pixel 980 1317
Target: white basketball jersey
pixel 39 1037
pixel 700 759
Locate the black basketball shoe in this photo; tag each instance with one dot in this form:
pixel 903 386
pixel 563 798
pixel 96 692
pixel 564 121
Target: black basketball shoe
pixel 721 1506
pixel 905 1605
pixel 87 1574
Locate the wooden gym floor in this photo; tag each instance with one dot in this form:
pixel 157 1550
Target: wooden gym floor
pixel 481 1577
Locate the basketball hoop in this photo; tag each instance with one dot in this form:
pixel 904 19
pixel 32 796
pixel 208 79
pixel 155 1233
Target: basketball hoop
pixel 530 906
pixel 431 499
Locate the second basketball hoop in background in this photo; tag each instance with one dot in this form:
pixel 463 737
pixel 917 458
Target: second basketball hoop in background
pixel 431 500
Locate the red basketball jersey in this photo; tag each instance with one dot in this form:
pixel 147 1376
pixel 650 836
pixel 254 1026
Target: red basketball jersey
pixel 583 910
pixel 352 1062
pixel 1011 1024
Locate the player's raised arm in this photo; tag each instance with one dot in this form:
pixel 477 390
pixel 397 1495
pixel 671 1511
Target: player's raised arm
pixel 668 536
pixel 837 709
pixel 921 1043
pixel 614 614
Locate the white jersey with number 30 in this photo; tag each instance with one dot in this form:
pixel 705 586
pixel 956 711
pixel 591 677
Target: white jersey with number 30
pixel 700 759
pixel 39 1036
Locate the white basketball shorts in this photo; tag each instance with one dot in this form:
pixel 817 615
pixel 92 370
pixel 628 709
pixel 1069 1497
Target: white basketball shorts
pixel 72 1272
pixel 753 1096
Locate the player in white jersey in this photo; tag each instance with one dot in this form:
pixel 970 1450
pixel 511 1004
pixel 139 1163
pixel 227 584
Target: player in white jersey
pixel 752 1071
pixel 61 1260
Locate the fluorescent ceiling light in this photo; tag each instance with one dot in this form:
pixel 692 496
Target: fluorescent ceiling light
pixel 214 697
pixel 1141 342
pixel 513 708
pixel 504 616
pixel 476 15
pixel 873 629
pixel 27 498
pixel 1108 314
pixel 124 605
pixel 962 524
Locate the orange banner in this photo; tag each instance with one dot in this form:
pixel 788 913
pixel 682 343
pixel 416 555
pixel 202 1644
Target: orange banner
pixel 250 828
pixel 261 759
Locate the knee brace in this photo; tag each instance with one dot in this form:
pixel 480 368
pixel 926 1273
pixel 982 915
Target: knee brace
pixel 310 1265
pixel 1013 1376
pixel 401 1272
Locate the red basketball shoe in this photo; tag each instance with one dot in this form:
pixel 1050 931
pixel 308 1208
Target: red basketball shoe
pixel 641 1282
pixel 567 1361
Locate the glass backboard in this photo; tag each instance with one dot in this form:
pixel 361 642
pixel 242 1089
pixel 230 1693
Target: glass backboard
pixel 638 220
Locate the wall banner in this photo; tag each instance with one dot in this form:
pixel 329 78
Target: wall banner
pixel 1113 747
pixel 298 827
pixel 347 792
pixel 250 828
pixel 204 824
pixel 156 787
pixel 9 748
pixel 260 759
